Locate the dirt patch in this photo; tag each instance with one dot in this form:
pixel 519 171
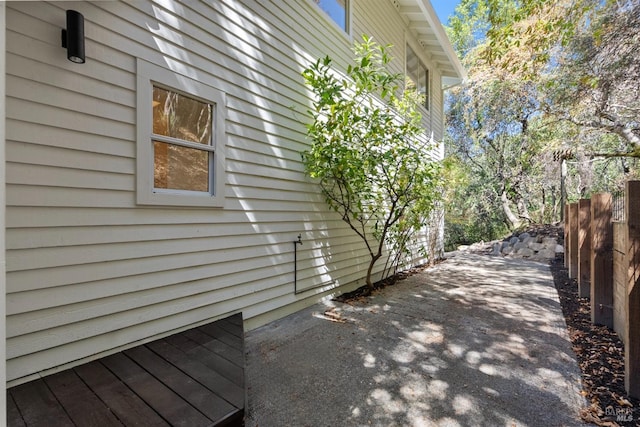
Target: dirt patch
pixel 364 291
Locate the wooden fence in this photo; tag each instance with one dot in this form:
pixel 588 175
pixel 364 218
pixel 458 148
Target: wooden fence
pixel 602 252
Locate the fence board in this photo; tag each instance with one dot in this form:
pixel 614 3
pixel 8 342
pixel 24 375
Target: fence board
pixel 619 278
pixel 566 235
pixel 572 245
pixel 632 342
pixel 601 262
pixel 584 248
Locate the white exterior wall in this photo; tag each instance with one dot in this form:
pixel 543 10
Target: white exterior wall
pixel 3 284
pixel 88 270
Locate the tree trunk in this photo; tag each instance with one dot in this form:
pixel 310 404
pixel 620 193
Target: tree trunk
pixel 370 269
pixel 543 207
pixel 523 211
pixel 513 219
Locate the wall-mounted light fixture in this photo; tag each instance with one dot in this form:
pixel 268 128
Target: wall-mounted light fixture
pixel 73 37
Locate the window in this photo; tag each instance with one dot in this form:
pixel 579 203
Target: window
pixel 338 10
pixel 417 75
pixel 180 153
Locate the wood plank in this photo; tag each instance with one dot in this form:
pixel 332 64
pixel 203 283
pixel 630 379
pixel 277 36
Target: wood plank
pixel 236 319
pixel 123 402
pixel 168 404
pixel 231 326
pixel 79 402
pixel 14 419
pixel 619 279
pixel 187 387
pixel 601 260
pixel 632 303
pixel 206 375
pixel 38 406
pixel 207 357
pixel 232 354
pixel 215 331
pixel 573 240
pixel 584 248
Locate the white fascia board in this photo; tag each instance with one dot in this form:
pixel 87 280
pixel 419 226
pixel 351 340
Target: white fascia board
pixel 432 18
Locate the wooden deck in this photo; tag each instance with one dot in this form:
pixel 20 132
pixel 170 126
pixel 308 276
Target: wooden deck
pixel 193 378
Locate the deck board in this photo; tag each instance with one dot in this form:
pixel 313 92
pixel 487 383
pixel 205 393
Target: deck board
pixel 230 327
pixel 188 379
pixel 124 403
pixel 221 334
pixel 210 378
pixel 82 405
pixel 208 358
pixel 219 348
pixel 13 415
pixel 38 406
pixel 200 397
pixel 157 395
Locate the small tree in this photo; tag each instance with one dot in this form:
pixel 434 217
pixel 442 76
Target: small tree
pixel 370 153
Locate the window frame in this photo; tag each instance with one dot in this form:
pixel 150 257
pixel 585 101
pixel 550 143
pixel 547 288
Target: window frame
pixel 427 72
pixel 148 76
pixel 347 17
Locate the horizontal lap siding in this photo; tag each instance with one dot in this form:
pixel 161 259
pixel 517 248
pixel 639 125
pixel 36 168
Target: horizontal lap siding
pixel 88 270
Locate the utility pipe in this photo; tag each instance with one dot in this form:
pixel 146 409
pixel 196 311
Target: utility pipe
pixel 295 262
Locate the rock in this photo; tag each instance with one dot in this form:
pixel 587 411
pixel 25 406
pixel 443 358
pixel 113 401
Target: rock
pixel 559 249
pixel 479 246
pixel 507 250
pixel 513 240
pixel 524 236
pixel 546 254
pixel 535 246
pixel 463 247
pixel 525 252
pixel 549 242
pixel 530 240
pixel 519 245
pixel 496 249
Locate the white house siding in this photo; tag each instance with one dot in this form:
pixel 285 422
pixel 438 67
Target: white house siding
pixel 3 370
pixel 88 270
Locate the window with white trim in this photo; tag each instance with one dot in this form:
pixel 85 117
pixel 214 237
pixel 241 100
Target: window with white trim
pixel 180 155
pixel 338 11
pixel 417 75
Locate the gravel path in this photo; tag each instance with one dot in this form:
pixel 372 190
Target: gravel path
pixel 473 341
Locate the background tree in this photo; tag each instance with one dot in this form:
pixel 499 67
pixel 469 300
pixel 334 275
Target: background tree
pixel 595 82
pixel 369 151
pixel 494 128
pixel 584 55
pixel 545 78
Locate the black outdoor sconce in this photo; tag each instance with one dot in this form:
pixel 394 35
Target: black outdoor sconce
pixel 73 37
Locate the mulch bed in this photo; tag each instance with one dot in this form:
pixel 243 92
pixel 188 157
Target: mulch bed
pixel 600 354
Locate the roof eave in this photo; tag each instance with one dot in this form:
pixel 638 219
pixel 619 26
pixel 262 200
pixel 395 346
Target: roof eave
pixel 456 71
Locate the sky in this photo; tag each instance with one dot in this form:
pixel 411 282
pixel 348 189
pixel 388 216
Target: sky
pixel 444 8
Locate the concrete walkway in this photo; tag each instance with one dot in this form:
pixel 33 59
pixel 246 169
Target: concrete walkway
pixel 473 341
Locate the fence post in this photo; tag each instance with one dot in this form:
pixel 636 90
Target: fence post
pixel 632 306
pixel 584 248
pixel 601 260
pixel 572 245
pixel 566 234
